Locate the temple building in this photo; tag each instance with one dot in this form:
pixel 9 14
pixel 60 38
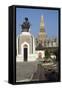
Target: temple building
pixel 25 45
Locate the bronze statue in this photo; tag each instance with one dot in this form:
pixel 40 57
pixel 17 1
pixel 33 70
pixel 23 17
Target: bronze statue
pixel 26 25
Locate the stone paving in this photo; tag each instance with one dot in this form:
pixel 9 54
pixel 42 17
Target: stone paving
pixel 33 71
pixel 25 70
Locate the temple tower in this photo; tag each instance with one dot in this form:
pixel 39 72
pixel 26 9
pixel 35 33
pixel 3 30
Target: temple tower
pixel 42 33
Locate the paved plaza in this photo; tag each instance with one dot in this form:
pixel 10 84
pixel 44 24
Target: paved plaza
pixel 33 71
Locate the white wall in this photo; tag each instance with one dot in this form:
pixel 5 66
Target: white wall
pixel 4 44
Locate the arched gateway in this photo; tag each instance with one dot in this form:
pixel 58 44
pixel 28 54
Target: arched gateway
pixel 25 54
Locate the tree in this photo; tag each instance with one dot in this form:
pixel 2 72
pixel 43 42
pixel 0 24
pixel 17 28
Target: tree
pixel 47 54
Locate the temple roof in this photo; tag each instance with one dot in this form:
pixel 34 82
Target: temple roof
pixel 40 47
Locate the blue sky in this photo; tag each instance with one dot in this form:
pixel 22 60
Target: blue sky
pixel 34 16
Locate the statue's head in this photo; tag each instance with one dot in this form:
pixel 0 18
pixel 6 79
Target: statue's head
pixel 26 19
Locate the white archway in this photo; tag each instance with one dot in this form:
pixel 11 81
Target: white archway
pixel 22 48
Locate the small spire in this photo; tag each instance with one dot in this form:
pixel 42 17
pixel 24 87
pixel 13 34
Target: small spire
pixel 42 24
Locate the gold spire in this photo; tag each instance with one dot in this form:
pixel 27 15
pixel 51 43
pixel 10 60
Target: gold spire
pixel 42 24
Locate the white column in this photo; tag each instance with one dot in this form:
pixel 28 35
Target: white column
pixel 33 45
